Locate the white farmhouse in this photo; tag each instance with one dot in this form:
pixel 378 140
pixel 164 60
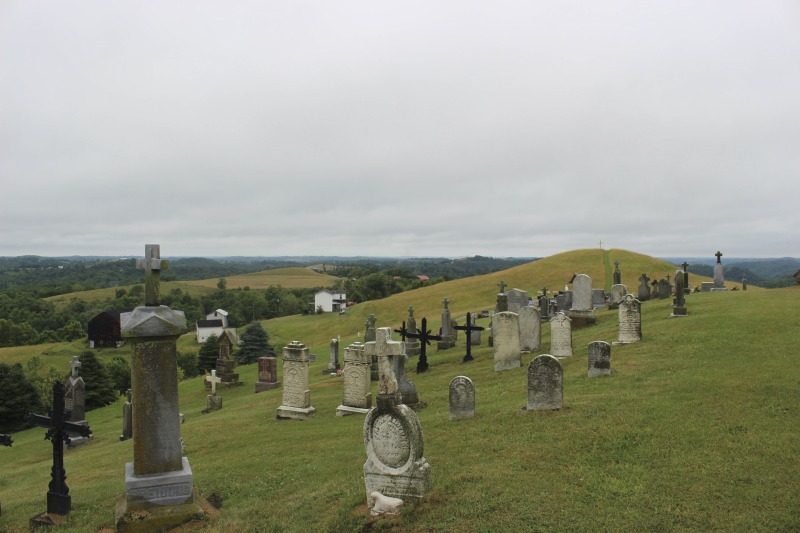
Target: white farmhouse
pixel 330 300
pixel 219 314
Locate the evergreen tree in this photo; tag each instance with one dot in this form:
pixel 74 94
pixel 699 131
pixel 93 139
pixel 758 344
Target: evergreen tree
pixel 187 361
pixel 120 372
pixel 99 385
pixel 17 398
pixel 255 344
pixel 208 355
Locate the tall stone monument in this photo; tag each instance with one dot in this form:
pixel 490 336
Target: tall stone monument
pixel 333 360
pixel 617 274
pixel 356 393
pixel 679 303
pixel 225 361
pixel 296 399
pixel 686 288
pixel 75 401
pixel 719 274
pixel 369 336
pixel 582 311
pixel 159 491
pixel 447 334
pixel 412 344
pixel 393 437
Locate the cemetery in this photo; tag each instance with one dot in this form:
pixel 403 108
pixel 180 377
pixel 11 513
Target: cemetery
pixel 691 425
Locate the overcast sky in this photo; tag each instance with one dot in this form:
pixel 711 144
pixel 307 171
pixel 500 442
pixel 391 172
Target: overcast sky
pixel 519 128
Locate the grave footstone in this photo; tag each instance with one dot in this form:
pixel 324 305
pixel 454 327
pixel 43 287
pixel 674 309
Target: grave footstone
pixel 127 418
pixel 530 329
pixel 582 313
pixel 545 384
pixel 561 336
pixel 412 344
pixel 506 348
pixel 447 341
pixel 719 274
pixel 630 320
pixel 618 292
pixel 356 393
pixel 59 432
pixel 393 440
pixel 267 374
pixel 158 483
pixel 644 288
pixel 679 303
pixel 462 398
pixel 296 399
pixel 599 359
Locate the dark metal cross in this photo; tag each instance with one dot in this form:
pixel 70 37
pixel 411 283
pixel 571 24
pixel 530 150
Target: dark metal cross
pixel 719 256
pixel 5 440
pixel 425 338
pixel 685 266
pixel 469 328
pixel 152 265
pixel 402 331
pixel 59 430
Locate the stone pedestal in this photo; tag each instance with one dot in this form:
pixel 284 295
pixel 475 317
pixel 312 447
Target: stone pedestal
pixel 394 443
pixel 356 394
pixel 679 311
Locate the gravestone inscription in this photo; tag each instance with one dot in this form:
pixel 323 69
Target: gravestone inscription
pixel 561 336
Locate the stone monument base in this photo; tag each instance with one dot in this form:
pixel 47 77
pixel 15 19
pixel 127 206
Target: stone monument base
pixel 507 364
pixel 621 343
pixel 581 319
pixel 331 370
pixel 678 312
pixel 261 386
pixel 706 286
pixel 213 403
pixel 297 413
pixel 162 489
pixel 445 344
pixel 157 517
pixel 344 410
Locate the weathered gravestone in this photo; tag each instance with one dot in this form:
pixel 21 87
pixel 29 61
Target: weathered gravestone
pixel 474 333
pixel 506 347
pixel 545 384
pixel 517 299
pixel 644 288
pixel 530 329
pixel 75 401
pixel 544 306
pixel 447 338
pixel 630 320
pixel 679 303
pixel 664 289
pixel 59 432
pixel 159 491
pixel 686 288
pixel 598 298
pixel 561 336
pixel 744 283
pixel 582 312
pixel 561 304
pixel 356 393
pixel 599 359
pixel 369 336
pixel 393 437
pixel 617 274
pixel 462 398
pixel 719 274
pixel 296 400
pixel 654 293
pixel 501 302
pixel 225 361
pixel 267 374
pixel 618 292
pixel 470 330
pixel 127 418
pixel 333 359
pixel 412 344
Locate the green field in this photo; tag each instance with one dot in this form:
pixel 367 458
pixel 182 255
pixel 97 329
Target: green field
pixel 695 430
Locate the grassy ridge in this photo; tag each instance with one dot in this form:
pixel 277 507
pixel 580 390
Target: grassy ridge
pixel 694 431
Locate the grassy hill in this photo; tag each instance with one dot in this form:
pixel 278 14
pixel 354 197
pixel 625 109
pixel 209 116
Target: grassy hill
pixel 695 430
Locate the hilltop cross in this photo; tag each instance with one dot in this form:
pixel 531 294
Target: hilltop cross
pixel 152 265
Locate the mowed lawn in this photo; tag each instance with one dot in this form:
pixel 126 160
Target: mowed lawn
pixel 695 430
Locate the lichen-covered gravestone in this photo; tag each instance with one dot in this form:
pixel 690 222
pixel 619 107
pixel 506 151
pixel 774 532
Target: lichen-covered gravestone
pixel 644 288
pixel 506 345
pixel 630 320
pixel 296 399
pixel 530 329
pixel 545 384
pixel 561 336
pixel 159 491
pixel 356 394
pixel 393 437
pixel 618 292
pixel 599 359
pixel 462 398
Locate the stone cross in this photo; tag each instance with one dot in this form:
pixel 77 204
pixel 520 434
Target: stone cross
pixel 385 349
pixel 152 265
pixel 445 302
pixel 425 338
pixel 544 292
pixel 213 379
pixel 502 286
pixel 719 256
pixel 616 264
pixel 75 364
pixel 59 431
pixel 685 266
pixel 469 327
pixel 410 310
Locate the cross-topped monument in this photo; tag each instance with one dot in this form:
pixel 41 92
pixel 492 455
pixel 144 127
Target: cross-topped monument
pixel 152 265
pixel 75 364
pixel 468 329
pixel 385 349
pixel 213 379
pixel 425 338
pixel 59 431
pixel 445 302
pixel 719 256
pixel 502 286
